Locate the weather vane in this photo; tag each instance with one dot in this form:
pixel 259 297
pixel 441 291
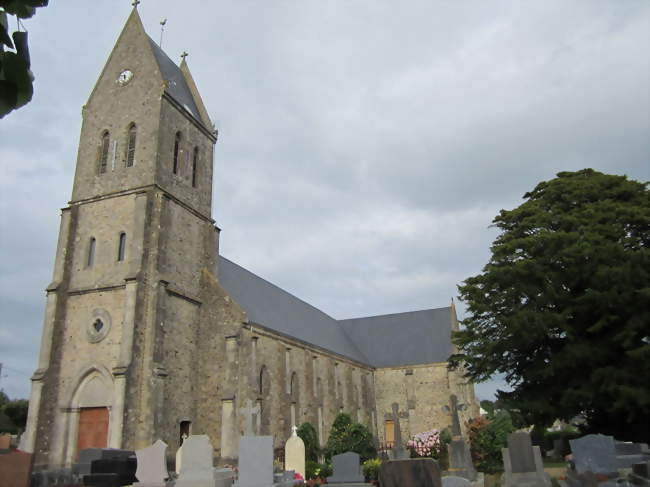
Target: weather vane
pixel 162 29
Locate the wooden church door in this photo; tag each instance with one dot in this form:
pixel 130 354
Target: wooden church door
pixel 93 428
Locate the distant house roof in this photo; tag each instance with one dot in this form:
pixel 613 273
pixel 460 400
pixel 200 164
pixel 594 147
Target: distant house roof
pixel 411 338
pixel 176 84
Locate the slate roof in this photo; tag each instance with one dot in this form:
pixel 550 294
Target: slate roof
pixel 176 84
pixel 416 337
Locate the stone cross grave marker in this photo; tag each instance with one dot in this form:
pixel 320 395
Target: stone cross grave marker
pixel 452 410
pixel 248 411
pixel 152 466
pixel 294 453
pixel 595 453
pixel 399 453
pixel 346 468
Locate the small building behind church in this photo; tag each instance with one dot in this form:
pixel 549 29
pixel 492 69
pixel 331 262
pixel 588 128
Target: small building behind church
pixel 149 333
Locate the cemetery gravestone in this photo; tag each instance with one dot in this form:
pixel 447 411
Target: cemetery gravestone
pixel 294 453
pixel 420 472
pixel 641 474
pixel 115 471
pixel 595 453
pixel 256 463
pixel 627 454
pixel 398 452
pixel 152 466
pixel 196 468
pixel 453 481
pixel 460 459
pixel 523 463
pixel 346 469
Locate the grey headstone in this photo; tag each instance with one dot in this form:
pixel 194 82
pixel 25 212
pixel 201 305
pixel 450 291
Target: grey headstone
pixel 521 452
pixel 152 464
pixel 460 460
pixel 346 468
pixel 398 452
pixel 535 478
pixel 452 481
pixel 595 453
pixel 255 461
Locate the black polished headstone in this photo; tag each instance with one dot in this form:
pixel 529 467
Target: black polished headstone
pixel 416 472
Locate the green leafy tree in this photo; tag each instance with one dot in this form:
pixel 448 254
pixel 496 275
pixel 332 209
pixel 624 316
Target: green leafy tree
pixel 309 436
pixel 348 436
pixel 16 78
pixel 563 306
pixel 16 411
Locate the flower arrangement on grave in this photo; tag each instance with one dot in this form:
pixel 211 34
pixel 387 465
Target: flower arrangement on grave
pixel 426 444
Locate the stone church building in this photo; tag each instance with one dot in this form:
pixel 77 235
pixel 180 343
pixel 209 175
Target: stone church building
pixel 150 333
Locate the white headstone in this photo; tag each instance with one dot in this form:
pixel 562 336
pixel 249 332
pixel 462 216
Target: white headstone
pixel 196 468
pixel 294 453
pixel 152 467
pixel 179 458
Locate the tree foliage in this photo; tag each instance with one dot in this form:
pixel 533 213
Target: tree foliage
pixel 309 436
pixel 16 77
pixel 346 435
pixel 13 414
pixel 563 306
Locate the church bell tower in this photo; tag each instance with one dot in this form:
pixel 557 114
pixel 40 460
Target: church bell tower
pixel 133 242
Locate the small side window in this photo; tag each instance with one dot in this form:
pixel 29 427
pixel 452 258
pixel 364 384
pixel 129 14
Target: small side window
pixel 121 247
pixel 91 252
pixel 195 161
pixel 177 149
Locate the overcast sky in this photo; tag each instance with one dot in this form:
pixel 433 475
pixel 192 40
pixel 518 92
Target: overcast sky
pixel 364 146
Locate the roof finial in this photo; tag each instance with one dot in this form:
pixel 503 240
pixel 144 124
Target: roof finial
pixel 184 55
pixel 162 29
pixel 135 3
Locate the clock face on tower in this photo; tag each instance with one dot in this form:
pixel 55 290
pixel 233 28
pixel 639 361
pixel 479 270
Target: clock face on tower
pixel 124 77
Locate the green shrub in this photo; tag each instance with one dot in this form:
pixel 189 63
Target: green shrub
pixel 348 436
pixel 309 436
pixel 487 437
pixel 312 469
pixel 371 468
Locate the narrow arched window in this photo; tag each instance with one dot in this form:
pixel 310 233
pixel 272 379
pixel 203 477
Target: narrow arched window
pixel 91 252
pixel 121 247
pixel 195 161
pixel 103 152
pixel 130 146
pixel 177 149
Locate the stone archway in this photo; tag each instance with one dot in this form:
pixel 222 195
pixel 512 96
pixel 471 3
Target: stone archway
pixel 88 412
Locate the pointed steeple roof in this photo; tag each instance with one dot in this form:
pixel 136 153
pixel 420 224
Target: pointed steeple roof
pixel 178 87
pixel 195 93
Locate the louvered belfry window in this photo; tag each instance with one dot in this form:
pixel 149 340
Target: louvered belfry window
pixel 130 148
pixel 103 155
pixel 195 161
pixel 177 148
